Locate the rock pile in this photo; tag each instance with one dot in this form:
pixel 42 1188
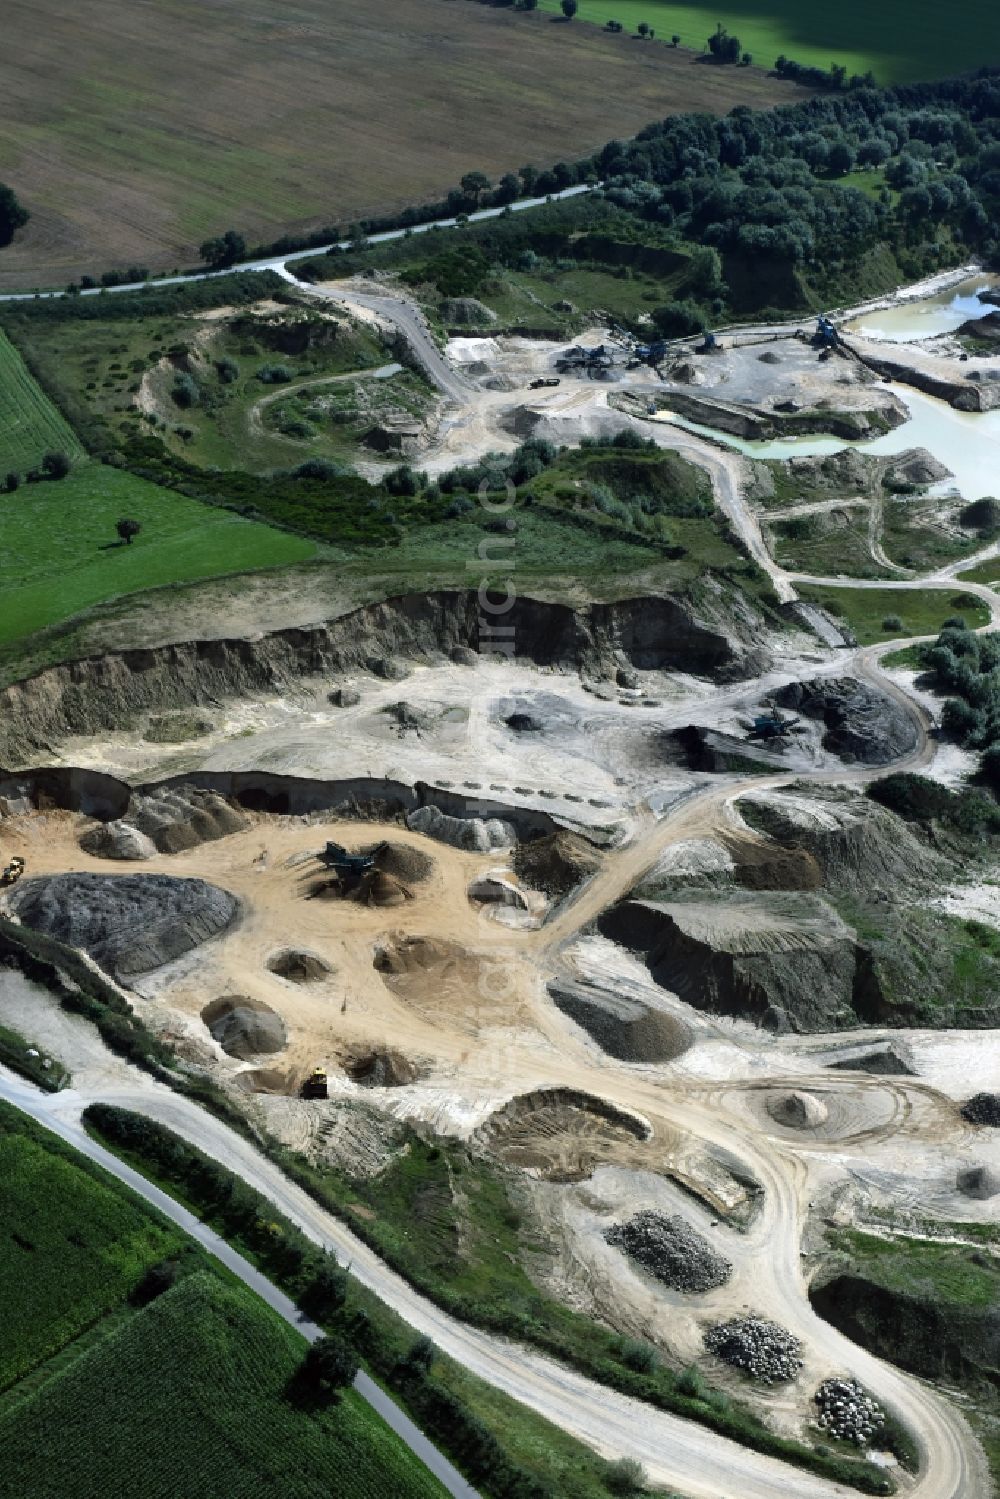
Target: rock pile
pixel 670 1249
pixel 117 840
pixel 847 1412
pixel 477 834
pixel 983 1108
pixel 762 1349
pixel 182 817
pixel 128 923
pixel 244 1027
pixel 978 1182
pixel 556 863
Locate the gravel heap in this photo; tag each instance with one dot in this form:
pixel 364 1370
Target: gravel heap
pixel 983 1108
pixel 979 1182
pixel 846 1412
pixel 670 1249
pixel 763 1349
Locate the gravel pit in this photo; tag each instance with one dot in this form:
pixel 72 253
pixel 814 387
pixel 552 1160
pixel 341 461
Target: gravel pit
pixel 797 1110
pixel 560 1134
pixel 380 1067
pixel 672 1250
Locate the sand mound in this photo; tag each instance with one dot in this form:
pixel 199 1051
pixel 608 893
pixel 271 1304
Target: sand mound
pixel 376 888
pixel 128 923
pixel 630 1029
pixel 380 1067
pixel 477 834
pixel 561 1134
pixel 797 1110
pixel 557 863
pixel 244 1027
pixel 298 967
pixel 402 862
pixel 769 866
pixel 979 1182
pixel 117 840
pixel 184 816
pixel 983 1108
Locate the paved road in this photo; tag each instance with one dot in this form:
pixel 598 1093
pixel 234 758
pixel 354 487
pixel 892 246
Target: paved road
pixel 68 1127
pixel 278 262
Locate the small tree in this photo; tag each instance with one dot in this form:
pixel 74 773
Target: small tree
pixel 643 29
pixel 329 1367
pixel 747 59
pixel 127 528
pixel 675 40
pixel 625 1477
pixel 226 250
pixel 11 482
pixel 326 1292
pixel 56 465
pixel 569 8
pixel 13 215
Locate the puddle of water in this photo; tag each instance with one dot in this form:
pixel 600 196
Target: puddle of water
pixel 941 313
pixel 968 443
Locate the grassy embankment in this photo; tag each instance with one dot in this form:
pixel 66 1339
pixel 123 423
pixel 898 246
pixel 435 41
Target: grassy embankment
pixel 901 41
pixel 920 612
pixel 196 1379
pixel 15 1052
pixel 60 548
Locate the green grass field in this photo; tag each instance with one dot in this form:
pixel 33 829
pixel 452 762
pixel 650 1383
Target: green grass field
pixel 900 40
pixel 30 425
pixel 920 612
pixel 71 1249
pixel 61 554
pixel 189 1397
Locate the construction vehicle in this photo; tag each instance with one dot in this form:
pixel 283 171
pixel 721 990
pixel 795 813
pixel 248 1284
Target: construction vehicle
pixel 315 1085
pixel 579 360
pixel 826 335
pixel 541 384
pixel 12 871
pixel 772 725
pixel 344 864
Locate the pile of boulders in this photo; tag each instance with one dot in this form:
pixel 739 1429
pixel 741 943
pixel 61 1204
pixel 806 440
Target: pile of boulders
pixel 762 1349
pixel 670 1249
pixel 847 1412
pixel 983 1108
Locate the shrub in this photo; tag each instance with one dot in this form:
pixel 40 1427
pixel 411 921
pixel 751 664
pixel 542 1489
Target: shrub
pixel 56 465
pixel 11 482
pixel 185 392
pixel 642 1357
pixel 892 622
pixel 626 1476
pixel 274 374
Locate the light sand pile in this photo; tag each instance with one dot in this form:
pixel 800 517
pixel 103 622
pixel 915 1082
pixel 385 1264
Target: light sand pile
pixel 797 1110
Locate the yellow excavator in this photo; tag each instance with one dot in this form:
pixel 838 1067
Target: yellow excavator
pixel 315 1085
pixel 13 871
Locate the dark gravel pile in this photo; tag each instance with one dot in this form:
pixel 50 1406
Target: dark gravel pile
pixel 847 1412
pixel 762 1349
pixel 670 1249
pixel 983 1108
pixel 128 923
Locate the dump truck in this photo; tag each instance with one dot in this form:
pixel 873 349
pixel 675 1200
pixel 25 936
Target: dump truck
pixel 542 384
pixel 315 1085
pixel 13 871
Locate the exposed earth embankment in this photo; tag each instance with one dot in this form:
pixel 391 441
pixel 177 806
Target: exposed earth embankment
pixel 110 692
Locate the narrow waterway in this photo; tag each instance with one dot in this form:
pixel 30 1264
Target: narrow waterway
pixel 905 322
pixel 967 443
